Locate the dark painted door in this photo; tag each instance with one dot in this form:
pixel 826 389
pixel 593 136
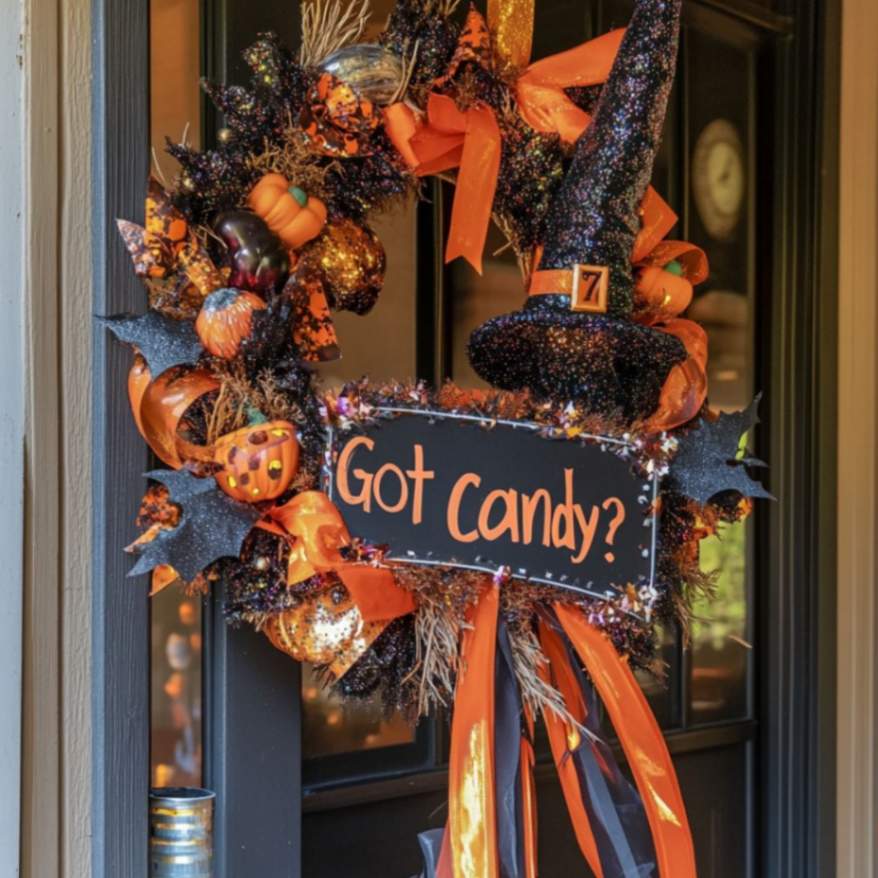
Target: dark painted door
pixel 365 782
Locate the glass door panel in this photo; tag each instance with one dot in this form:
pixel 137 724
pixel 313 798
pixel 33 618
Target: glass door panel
pixel 176 618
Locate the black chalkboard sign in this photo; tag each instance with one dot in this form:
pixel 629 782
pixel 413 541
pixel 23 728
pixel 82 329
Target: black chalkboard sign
pixel 450 489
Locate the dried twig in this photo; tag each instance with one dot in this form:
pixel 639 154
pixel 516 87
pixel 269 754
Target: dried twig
pixel 327 26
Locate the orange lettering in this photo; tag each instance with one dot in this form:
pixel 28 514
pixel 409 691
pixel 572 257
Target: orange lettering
pixel 528 511
pixel 453 512
pixel 509 522
pixel 365 495
pixel 587 529
pixel 564 515
pixel 419 475
pixel 403 488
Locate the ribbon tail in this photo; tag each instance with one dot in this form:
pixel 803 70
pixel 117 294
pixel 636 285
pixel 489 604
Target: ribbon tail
pixel 431 848
pixel 511 826
pixel 528 795
pixel 614 808
pixel 475 188
pixel 641 741
pixel 561 735
pixel 472 817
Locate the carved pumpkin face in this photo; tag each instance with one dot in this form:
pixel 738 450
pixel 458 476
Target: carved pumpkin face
pixel 258 462
pixel 225 320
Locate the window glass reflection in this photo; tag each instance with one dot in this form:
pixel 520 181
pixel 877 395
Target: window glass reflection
pixel 176 754
pixel 332 725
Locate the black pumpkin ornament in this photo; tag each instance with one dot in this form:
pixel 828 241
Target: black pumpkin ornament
pixel 259 260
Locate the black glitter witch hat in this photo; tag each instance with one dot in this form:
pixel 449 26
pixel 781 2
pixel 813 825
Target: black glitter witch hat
pixel 573 339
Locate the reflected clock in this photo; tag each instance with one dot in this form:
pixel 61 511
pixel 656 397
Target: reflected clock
pixel 719 178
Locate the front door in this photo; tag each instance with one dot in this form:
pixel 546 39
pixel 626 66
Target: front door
pixel 309 787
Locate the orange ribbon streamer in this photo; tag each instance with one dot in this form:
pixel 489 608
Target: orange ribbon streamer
pixel 317 533
pixel 641 740
pixel 528 795
pixel 472 827
pixel 564 737
pixel 468 140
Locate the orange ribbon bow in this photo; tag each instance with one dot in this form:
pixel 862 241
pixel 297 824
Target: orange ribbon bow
pixel 468 140
pixel 316 531
pixel 660 296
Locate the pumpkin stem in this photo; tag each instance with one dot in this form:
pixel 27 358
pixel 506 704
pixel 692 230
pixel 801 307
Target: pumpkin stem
pixel 254 416
pixel 299 194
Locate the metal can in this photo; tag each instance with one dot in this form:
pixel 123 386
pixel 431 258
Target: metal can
pixel 181 833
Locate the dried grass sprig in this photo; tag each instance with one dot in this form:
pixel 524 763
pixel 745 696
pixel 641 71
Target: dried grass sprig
pixel 327 25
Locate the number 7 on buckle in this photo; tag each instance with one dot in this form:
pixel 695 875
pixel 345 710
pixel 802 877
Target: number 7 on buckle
pixel 590 288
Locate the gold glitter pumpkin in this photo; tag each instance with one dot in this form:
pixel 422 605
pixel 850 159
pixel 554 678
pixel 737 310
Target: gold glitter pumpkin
pixel 258 462
pixel 350 261
pixel 326 629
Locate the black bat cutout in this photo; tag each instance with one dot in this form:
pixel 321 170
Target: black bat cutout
pixel 707 464
pixel 212 525
pixel 163 341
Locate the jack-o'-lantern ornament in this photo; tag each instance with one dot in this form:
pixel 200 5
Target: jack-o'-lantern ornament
pixel 293 215
pixel 258 462
pixel 349 260
pixel 225 320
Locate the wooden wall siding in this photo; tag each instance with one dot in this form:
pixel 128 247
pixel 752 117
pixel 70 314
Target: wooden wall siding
pixel 858 440
pixel 41 757
pixel 12 427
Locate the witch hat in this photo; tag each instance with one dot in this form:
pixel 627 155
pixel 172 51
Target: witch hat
pixel 573 338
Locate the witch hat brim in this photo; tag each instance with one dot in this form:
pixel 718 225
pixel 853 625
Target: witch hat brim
pixel 609 366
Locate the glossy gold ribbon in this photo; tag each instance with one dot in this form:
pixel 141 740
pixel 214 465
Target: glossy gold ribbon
pixel 511 23
pixel 472 827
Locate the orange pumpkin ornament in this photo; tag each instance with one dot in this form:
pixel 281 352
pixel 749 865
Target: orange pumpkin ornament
pixel 290 213
pixel 225 320
pixel 258 462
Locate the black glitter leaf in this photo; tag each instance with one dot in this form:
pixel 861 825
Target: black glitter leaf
pixel 707 463
pixel 163 341
pixel 212 526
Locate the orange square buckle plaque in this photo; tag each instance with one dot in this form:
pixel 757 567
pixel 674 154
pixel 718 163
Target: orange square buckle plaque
pixel 589 290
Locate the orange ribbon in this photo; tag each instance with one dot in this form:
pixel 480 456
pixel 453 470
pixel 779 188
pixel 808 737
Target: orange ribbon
pixel 449 138
pixel 564 737
pixel 685 388
pixel 660 296
pixel 158 407
pixel 468 140
pixel 540 89
pixel 316 531
pixel 642 741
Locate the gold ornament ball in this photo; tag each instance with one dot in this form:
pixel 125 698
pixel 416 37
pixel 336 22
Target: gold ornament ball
pixel 350 261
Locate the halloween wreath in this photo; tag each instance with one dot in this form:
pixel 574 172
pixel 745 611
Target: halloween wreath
pixel 509 596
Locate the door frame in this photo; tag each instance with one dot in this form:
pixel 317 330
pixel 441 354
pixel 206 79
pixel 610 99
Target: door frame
pixel 799 626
